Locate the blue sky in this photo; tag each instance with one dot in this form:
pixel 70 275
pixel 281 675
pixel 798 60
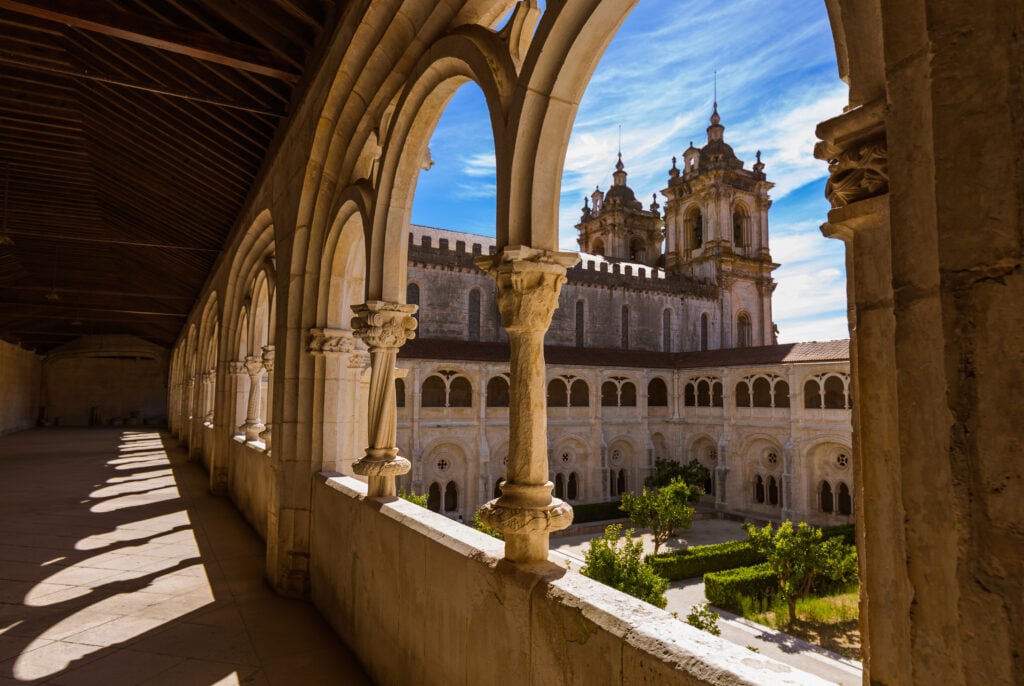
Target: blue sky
pixel 777 79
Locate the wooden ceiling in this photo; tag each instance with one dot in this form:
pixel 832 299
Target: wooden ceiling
pixel 130 134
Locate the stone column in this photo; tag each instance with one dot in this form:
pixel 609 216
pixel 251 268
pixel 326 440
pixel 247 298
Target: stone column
pixel 236 370
pixel 332 349
pixel 268 364
pixel 253 422
pixel 385 327
pixel 528 283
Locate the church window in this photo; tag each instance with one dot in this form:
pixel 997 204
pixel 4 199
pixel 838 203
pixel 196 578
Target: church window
pixel 627 395
pixel 781 393
pixel 845 500
pixel 460 392
pixel 742 394
pixel 762 392
pixel 812 395
pixel 704 331
pixel 826 503
pixel 579 394
pixel 597 247
pixel 433 394
pixel 559 486
pixel 474 314
pixel 758 489
pixel 572 487
pixel 666 331
pixel 451 497
pixel 709 483
pixel 744 331
pixel 580 312
pixel 399 393
pixel 773 491
pixel 497 392
pixel 624 327
pixel 412 297
pixel 657 393
pixel 620 482
pixel 557 393
pixel 434 497
pixel 695 224
pixel 636 251
pixel 609 394
pixel 738 225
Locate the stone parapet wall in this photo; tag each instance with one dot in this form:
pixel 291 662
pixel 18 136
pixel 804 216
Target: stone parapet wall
pixel 20 381
pixel 425 600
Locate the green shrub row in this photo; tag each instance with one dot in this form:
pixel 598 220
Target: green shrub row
pixel 597 512
pixel 844 531
pixel 726 589
pixel 701 559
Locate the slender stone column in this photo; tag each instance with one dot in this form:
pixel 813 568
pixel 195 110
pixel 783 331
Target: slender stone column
pixel 528 284
pixel 268 364
pixel 384 327
pixel 236 370
pixel 253 423
pixel 210 378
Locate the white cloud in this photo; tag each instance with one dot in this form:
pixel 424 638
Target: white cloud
pixel 479 164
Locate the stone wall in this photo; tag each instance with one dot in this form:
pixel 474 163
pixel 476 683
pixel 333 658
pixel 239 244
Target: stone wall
pixel 20 381
pixel 425 600
pixel 250 483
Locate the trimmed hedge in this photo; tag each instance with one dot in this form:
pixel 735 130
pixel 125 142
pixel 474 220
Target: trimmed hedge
pixel 726 589
pixel 597 512
pixel 844 531
pixel 698 560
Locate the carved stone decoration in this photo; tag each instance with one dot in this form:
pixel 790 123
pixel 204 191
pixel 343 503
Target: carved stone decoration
pixel 528 283
pixel 384 327
pixel 330 341
pixel 253 423
pixel 236 367
pixel 854 145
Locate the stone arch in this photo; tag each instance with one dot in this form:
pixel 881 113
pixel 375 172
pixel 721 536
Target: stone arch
pixel 454 454
pixel 740 225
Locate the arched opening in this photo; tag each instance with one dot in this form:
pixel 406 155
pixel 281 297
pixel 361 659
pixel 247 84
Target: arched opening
pixel 758 489
pixel 473 315
pixel 497 489
pixel 812 395
pixel 460 392
pixel 744 331
pixel 690 396
pixel 825 499
pixel 451 497
pixel 703 393
pixel 637 251
pixel 399 393
pixel 742 394
pixel 620 482
pixel 694 223
pixel 434 497
pixel 657 393
pixel 497 392
pixel 412 297
pixel 559 486
pixel 579 394
pixel 597 247
pixel 572 488
pixel 627 395
pixel 773 491
pixel 845 500
pixel 762 396
pixel 835 394
pixel 558 394
pixel 781 393
pixel 609 394
pixel 716 394
pixel 580 321
pixel 433 392
pixel 739 223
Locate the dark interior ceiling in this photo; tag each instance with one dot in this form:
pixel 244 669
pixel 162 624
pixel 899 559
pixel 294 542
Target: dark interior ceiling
pixel 130 134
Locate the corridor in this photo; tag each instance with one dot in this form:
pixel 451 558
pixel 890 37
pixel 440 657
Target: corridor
pixel 118 567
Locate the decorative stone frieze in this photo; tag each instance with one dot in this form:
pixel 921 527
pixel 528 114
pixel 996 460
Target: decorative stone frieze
pixel 854 145
pixel 528 282
pixel 330 341
pixel 384 327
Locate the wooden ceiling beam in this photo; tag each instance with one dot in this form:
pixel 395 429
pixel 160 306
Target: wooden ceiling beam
pixel 101 292
pixel 108 241
pixel 89 15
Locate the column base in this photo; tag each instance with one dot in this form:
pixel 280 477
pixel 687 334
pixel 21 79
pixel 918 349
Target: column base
pixel 526 529
pixel 253 431
pixel 380 466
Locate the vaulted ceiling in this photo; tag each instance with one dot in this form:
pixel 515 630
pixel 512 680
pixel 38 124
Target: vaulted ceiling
pixel 130 134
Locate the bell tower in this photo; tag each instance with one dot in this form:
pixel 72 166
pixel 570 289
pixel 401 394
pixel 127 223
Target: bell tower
pixel 716 228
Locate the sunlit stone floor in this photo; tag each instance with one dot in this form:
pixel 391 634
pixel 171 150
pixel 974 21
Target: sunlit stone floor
pixel 118 567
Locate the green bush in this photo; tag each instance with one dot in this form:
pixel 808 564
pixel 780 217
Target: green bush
pixel 699 560
pixel 728 588
pixel 597 512
pixel 844 531
pixel 622 566
pixel 704 618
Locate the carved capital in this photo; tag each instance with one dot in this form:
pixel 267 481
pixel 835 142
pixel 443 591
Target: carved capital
pixel 253 365
pixel 268 358
pixel 236 367
pixel 330 342
pixel 384 324
pixel 359 359
pixel 854 145
pixel 529 281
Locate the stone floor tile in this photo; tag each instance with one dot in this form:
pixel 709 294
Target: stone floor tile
pixel 45 660
pixel 211 672
pixel 117 667
pixel 118 631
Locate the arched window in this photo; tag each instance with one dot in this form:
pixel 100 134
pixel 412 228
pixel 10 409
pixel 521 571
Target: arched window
pixel 762 392
pixel 812 395
pixel 620 482
pixel 412 297
pixel 657 393
pixel 695 223
pixel 460 392
pixel 690 396
pixel 579 394
pixel 609 394
pixel 835 395
pixel 825 500
pixel 773 491
pixel 781 392
pixel 758 489
pixel 434 497
pixel 624 327
pixel 474 314
pixel 742 394
pixel 557 393
pixel 703 393
pixel 709 482
pixel 399 393
pixel 497 392
pixel 559 486
pixel 744 331
pixel 666 331
pixel 845 500
pixel 572 489
pixel 716 394
pixel 433 392
pixel 738 222
pixel 704 331
pixel 451 497
pixel 637 253
pixel 627 395
pixel 597 247
pixel 580 321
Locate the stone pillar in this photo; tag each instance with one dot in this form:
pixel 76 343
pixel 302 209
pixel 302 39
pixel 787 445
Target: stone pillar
pixel 792 483
pixel 721 478
pixel 331 349
pixel 528 282
pixel 268 364
pixel 236 370
pixel 253 422
pixel 385 327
